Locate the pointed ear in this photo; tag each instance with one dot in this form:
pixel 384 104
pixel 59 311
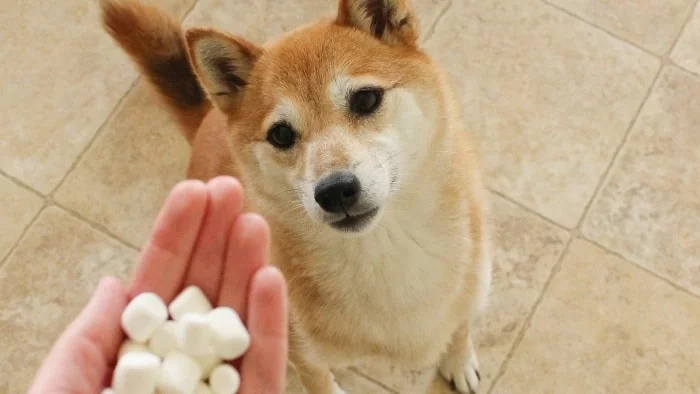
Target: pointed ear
pixel 392 21
pixel 222 63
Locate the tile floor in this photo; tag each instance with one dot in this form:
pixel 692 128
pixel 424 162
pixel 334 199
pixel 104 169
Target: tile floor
pixel 588 113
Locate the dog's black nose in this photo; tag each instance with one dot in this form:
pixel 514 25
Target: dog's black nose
pixel 338 192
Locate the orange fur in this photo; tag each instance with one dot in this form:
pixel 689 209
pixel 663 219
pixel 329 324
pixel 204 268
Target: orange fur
pixel 353 298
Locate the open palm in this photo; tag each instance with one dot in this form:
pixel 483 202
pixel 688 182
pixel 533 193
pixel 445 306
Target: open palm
pixel 201 238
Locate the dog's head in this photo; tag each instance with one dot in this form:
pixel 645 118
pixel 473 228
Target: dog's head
pixel 331 120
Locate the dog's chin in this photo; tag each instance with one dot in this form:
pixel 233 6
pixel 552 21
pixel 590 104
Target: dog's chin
pixel 357 224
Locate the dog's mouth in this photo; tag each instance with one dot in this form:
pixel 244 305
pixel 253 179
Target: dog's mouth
pixel 356 222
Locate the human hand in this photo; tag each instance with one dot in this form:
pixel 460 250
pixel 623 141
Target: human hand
pixel 202 238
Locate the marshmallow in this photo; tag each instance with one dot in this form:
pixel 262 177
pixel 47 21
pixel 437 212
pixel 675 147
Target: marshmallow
pixel 179 374
pixel 193 347
pixel 191 300
pixel 230 338
pixel 142 317
pixel 195 335
pixel 136 373
pixel 202 388
pixel 224 379
pixel 207 364
pixel 165 339
pixel 130 346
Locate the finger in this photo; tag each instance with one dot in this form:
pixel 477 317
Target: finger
pixel 165 257
pixel 225 202
pixel 82 356
pixel 248 250
pixel 264 365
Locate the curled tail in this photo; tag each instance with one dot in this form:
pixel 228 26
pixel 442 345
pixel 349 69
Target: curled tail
pixel 155 42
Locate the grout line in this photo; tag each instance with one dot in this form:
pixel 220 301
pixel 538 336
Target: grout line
pixel 665 58
pixel 94 138
pixel 528 320
pixel 49 203
pixel 529 210
pixel 687 20
pixel 21 184
pixel 431 29
pixel 574 233
pixel 604 30
pixel 49 199
pixel 617 155
pixel 107 119
pixel 678 66
pixel 555 270
pixel 95 226
pixel 639 266
pixel 5 258
pixel 189 11
pixel 373 380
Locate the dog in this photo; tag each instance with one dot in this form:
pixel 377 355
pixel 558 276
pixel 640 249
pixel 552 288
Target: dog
pixel 347 138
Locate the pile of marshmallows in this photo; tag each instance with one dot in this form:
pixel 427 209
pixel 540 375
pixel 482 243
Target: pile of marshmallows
pixel 185 355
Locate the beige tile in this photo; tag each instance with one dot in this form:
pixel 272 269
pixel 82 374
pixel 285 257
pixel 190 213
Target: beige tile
pixel 402 381
pixel 649 210
pixel 353 383
pixel 127 173
pixel 653 25
pixel 17 208
pixel 606 326
pixel 687 50
pixel 428 12
pixel 348 381
pixel 548 97
pixel 62 75
pixel 260 20
pixel 45 283
pixel 179 8
pixel 525 251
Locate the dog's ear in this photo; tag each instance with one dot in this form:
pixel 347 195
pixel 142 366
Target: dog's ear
pixel 392 21
pixel 222 63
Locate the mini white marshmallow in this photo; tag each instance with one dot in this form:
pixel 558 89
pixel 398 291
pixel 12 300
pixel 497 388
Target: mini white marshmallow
pixel 142 317
pixel 230 338
pixel 136 373
pixel 179 374
pixel 130 346
pixel 203 388
pixel 108 390
pixel 190 300
pixel 165 339
pixel 207 364
pixel 195 336
pixel 224 379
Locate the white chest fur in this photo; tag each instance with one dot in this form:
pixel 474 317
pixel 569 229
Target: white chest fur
pixel 396 286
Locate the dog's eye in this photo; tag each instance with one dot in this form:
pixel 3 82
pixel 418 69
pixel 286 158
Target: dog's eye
pixel 281 136
pixel 366 101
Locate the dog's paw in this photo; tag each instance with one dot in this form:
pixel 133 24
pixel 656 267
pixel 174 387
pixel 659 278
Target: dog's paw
pixel 462 372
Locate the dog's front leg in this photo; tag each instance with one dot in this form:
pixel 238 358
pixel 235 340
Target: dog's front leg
pixel 459 365
pixel 317 379
pixel 315 375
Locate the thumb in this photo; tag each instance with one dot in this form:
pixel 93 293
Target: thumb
pixel 81 357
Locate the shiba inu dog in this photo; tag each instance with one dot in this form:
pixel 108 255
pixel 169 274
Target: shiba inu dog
pixel 346 137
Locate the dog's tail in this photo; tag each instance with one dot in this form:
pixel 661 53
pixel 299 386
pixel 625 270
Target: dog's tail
pixel 155 42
